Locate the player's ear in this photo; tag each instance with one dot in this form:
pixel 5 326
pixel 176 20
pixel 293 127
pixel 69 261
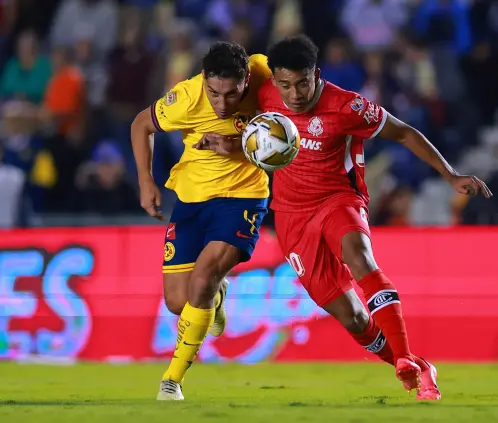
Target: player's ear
pixel 246 81
pixel 273 81
pixel 317 74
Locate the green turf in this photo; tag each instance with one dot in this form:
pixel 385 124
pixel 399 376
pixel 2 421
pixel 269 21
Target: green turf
pixel 239 394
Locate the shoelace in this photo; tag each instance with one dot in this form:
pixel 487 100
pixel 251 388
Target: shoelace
pixel 169 386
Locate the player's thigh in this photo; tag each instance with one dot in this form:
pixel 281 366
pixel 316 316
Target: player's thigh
pixel 182 245
pixel 231 231
pixel 236 222
pixel 346 231
pixel 341 220
pixel 324 276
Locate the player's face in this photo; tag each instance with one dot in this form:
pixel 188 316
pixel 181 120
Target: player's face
pixel 225 94
pixel 296 87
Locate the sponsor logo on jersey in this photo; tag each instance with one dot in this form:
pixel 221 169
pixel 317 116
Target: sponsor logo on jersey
pixel 357 105
pixel 310 144
pixel 171 231
pixel 372 114
pixel 170 98
pixel 240 122
pixel 315 126
pixel 169 251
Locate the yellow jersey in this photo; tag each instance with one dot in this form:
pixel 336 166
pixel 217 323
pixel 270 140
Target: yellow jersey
pixel 201 175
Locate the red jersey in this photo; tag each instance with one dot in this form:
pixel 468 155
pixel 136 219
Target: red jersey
pixel 330 160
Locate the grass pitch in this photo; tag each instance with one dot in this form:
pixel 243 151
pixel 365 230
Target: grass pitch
pixel 98 393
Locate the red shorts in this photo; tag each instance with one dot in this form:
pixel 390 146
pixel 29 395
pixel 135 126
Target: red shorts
pixel 311 242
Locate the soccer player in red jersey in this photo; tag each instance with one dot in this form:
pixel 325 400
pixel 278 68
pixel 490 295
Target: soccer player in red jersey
pixel 320 202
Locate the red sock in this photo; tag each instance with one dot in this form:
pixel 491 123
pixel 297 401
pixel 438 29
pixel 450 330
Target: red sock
pixel 385 308
pixel 373 340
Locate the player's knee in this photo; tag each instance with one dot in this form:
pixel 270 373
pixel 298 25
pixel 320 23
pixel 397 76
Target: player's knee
pixel 175 291
pixel 202 291
pixel 175 305
pixel 361 264
pixel 357 254
pixel 355 322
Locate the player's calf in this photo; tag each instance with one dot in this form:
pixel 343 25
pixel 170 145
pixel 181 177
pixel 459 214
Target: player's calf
pixel 382 298
pixel 351 313
pixel 215 261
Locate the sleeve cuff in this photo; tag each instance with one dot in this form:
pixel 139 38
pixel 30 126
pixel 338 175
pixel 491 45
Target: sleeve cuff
pixel 381 124
pixel 154 117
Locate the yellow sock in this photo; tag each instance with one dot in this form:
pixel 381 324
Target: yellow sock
pixel 193 326
pixel 217 300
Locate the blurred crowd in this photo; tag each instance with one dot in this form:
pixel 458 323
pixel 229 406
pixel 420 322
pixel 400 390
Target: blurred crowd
pixel 74 73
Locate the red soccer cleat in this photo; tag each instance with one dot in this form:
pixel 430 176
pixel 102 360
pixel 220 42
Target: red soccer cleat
pixel 408 373
pixel 428 389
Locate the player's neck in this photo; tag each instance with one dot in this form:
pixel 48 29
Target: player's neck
pixel 318 93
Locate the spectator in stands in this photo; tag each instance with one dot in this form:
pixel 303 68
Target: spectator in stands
pixel 97 18
pixel 24 148
pixel 394 208
pixel 372 24
pixel 444 22
pixel 64 98
pixel 191 9
pixel 101 184
pixel 242 33
pixel 8 17
pixel 181 56
pixel 129 87
pixel 339 68
pixel 12 180
pixel 481 71
pixel 221 16
pixel 26 75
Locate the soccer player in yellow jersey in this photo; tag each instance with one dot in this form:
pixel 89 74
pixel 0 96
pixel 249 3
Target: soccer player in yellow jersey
pixel 221 200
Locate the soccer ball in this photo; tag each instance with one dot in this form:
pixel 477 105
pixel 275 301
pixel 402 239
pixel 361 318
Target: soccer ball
pixel 270 141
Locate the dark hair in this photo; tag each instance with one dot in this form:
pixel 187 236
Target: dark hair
pixel 226 60
pixel 293 53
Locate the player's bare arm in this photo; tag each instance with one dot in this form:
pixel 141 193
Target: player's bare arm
pixel 142 129
pixel 420 146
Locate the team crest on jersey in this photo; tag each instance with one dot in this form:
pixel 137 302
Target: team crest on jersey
pixel 169 251
pixel 357 105
pixel 315 127
pixel 240 122
pixel 170 98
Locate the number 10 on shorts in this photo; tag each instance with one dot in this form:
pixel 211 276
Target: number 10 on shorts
pixel 296 263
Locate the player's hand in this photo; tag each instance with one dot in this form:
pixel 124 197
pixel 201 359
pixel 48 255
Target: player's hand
pixel 150 198
pixel 470 185
pixel 224 145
